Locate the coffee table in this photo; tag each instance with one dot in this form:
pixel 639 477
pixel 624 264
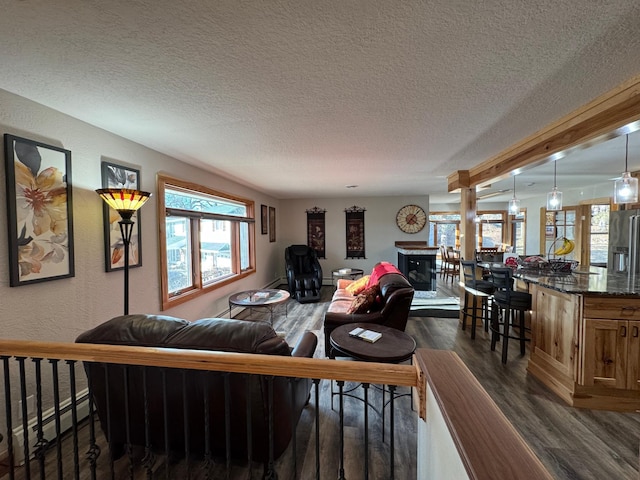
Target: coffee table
pixel 264 298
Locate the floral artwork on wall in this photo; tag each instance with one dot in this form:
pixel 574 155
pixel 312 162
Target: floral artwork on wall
pixel 40 211
pixel 118 176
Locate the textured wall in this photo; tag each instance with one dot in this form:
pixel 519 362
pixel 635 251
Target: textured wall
pixel 59 310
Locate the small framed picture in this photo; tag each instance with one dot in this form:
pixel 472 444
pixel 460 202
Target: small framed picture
pixel 272 224
pixel 119 176
pixel 264 220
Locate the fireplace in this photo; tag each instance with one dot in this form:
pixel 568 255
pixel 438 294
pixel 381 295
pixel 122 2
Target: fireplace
pixel 419 266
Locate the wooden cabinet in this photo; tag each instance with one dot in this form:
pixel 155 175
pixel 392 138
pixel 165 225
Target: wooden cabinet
pixel 587 348
pixel 611 340
pixel 604 356
pixel 555 324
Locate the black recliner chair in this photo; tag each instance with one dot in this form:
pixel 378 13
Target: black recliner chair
pixel 304 273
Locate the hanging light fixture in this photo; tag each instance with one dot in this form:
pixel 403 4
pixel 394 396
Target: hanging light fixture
pixel 625 189
pixel 514 203
pixel 554 197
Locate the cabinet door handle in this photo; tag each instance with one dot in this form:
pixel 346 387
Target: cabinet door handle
pixel 635 332
pixel 623 331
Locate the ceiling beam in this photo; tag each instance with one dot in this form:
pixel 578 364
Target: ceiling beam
pixel 599 118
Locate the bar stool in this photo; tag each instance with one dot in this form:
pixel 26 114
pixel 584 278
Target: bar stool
pixel 506 304
pixel 474 288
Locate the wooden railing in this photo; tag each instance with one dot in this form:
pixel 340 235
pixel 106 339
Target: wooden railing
pixel 263 366
pixel 486 444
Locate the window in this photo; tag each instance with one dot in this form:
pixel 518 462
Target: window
pixel 444 228
pixel 489 229
pixel 206 240
pixel 518 232
pixel 599 238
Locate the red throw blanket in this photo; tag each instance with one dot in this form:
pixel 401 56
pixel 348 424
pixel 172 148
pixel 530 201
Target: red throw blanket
pixel 379 270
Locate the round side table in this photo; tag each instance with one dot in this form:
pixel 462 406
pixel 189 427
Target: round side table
pixel 393 347
pixel 351 273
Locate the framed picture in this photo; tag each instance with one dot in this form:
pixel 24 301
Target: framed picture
pixel 272 224
pixel 264 220
pixel 316 230
pixel 40 212
pixel 118 176
pixel 354 217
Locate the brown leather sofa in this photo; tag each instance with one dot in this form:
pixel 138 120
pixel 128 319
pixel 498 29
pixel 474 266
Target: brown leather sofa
pixel 396 294
pixel 247 395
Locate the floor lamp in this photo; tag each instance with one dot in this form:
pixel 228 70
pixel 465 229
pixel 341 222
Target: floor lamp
pixel 126 202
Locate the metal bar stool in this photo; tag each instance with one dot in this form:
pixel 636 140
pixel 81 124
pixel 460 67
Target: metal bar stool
pixel 506 304
pixel 474 288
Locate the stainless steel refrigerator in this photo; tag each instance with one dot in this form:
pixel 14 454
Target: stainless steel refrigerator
pixel 624 241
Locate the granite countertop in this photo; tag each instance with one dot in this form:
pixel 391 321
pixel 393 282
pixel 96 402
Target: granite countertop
pixel 586 281
pixel 418 250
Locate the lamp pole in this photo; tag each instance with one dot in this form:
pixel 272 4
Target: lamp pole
pixel 126 229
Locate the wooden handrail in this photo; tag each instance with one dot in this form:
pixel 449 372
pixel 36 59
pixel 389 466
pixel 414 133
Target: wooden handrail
pixel 370 372
pixel 487 443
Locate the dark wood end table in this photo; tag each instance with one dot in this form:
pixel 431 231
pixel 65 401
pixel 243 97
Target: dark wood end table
pixel 393 347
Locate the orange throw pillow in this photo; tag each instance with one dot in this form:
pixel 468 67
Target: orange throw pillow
pixel 364 302
pixel 358 286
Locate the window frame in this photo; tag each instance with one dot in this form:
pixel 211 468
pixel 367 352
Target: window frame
pixel 198 288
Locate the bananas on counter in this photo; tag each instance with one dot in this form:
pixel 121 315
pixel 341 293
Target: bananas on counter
pixel 566 248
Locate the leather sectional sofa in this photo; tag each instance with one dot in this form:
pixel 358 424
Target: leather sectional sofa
pixel 247 395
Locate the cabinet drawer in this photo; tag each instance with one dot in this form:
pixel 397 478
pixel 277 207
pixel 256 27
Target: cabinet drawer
pixel 612 307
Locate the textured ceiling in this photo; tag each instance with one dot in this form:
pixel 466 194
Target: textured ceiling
pixel 301 98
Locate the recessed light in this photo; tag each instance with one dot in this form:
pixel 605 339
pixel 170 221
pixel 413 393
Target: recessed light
pixel 352 186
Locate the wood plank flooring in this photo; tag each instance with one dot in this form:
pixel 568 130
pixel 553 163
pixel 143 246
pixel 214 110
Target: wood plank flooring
pixel 572 443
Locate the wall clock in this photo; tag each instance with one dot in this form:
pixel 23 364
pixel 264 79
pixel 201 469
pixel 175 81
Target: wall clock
pixel 411 219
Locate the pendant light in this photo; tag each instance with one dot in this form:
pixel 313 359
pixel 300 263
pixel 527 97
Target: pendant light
pixel 625 189
pixel 554 197
pixel 514 203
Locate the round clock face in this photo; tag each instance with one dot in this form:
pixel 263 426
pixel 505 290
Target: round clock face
pixel 411 219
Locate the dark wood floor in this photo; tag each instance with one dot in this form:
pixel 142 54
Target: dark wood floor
pixel 572 443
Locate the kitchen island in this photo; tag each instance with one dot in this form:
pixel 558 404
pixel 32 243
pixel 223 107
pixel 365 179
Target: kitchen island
pixel 585 337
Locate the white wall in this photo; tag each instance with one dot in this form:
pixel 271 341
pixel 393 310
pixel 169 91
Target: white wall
pixel 60 310
pixel 439 458
pixel 381 231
